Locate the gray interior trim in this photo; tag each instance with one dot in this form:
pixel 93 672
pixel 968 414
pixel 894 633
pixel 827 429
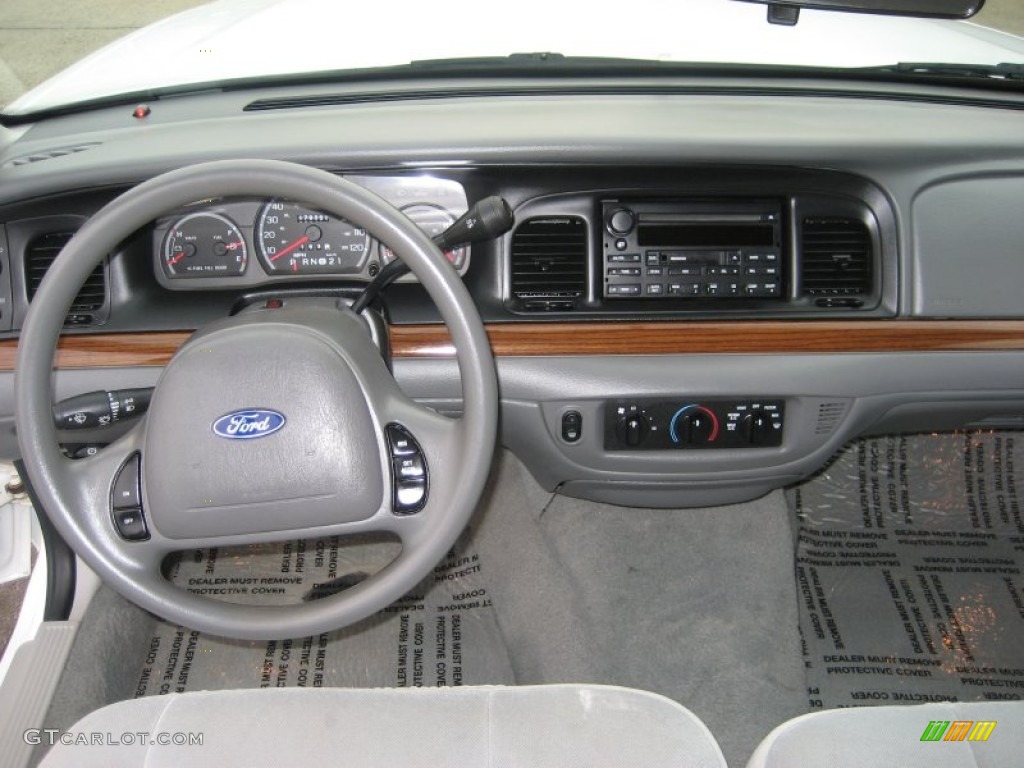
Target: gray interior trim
pixel 873 392
pixel 29 687
pixel 877 393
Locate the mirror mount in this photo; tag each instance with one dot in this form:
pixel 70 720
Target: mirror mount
pixel 783 15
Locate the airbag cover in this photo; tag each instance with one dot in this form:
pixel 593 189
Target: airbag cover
pixel 259 428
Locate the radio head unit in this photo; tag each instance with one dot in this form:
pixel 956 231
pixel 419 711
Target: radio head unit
pixel 693 249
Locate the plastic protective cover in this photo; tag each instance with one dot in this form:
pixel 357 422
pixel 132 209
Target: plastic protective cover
pixel 444 633
pixel 909 558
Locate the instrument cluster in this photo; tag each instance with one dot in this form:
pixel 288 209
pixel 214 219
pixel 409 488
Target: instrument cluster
pixel 226 243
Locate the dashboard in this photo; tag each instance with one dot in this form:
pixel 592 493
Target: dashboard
pixel 702 297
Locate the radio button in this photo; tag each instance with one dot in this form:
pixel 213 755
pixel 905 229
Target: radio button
pixel 624 289
pixel 621 245
pixel 624 272
pixel 762 289
pixel 653 258
pixel 684 270
pixel 684 289
pixel 733 257
pixel 655 289
pixel 623 258
pixel 655 271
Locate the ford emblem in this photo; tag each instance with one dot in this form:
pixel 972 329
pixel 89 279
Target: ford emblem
pixel 248 424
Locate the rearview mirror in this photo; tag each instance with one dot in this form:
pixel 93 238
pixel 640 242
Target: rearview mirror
pixel 789 12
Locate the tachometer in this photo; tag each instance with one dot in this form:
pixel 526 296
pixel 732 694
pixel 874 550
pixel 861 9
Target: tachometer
pixel 294 239
pixel 204 245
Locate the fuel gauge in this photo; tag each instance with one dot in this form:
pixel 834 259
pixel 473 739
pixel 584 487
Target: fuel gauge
pixel 204 245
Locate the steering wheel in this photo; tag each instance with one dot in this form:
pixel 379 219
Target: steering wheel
pixel 275 424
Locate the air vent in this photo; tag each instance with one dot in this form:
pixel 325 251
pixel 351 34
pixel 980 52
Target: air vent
pixel 549 263
pixel 829 415
pixel 837 257
pixel 49 154
pixel 39 256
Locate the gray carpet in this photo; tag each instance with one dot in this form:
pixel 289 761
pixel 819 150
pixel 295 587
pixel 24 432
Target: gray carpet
pixel 696 604
pixel 699 605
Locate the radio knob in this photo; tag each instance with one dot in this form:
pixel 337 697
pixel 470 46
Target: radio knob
pixel 632 429
pixel 621 222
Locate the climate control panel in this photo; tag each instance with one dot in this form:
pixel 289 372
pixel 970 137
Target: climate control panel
pixel 689 424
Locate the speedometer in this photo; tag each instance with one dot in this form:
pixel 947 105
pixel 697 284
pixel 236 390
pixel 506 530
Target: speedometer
pixel 294 239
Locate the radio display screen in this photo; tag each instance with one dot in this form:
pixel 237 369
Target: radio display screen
pixel 699 235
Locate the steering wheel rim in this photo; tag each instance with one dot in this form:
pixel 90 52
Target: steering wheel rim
pixel 76 493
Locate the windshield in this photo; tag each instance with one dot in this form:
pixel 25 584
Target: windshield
pixel 117 47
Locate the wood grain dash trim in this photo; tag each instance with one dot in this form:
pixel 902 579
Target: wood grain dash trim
pixel 116 350
pixel 107 350
pixel 604 338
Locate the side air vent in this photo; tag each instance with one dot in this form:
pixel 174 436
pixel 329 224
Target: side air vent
pixel 830 413
pixel 39 256
pixel 549 263
pixel 50 154
pixel 837 258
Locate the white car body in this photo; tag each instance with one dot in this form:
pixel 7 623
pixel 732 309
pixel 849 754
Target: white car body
pixel 232 39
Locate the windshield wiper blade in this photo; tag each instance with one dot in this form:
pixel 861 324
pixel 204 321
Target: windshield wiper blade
pixel 1004 71
pixel 538 58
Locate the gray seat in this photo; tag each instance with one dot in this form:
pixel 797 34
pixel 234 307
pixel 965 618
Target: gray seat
pixel 947 735
pixel 534 726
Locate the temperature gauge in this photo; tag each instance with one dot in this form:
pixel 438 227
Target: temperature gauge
pixel 433 220
pixel 204 245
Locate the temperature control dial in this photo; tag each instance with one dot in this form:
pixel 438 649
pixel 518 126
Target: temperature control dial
pixel 694 425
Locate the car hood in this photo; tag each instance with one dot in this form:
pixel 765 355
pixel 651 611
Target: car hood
pixel 233 39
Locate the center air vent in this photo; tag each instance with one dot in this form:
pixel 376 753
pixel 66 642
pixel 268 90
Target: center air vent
pixel 39 256
pixel 549 263
pixel 837 257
